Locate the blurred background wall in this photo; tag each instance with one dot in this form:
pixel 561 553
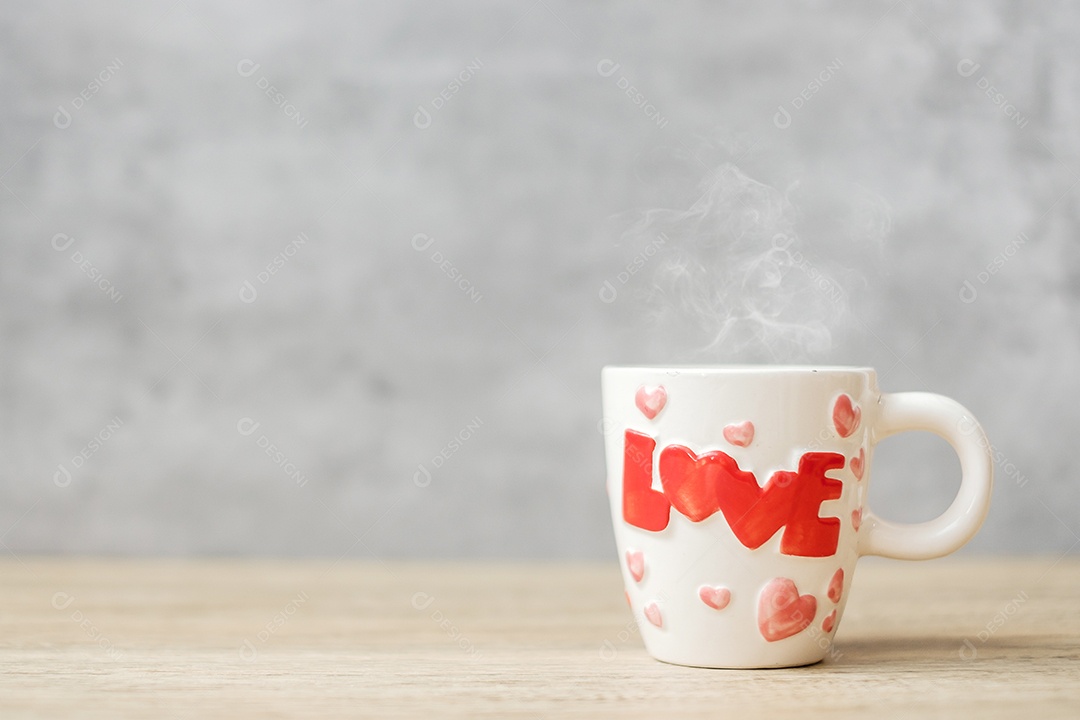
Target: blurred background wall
pixel 327 278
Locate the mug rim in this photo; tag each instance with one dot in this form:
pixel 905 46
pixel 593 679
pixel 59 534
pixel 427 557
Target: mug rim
pixel 721 369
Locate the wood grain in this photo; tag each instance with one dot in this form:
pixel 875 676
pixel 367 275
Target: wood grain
pixel 214 638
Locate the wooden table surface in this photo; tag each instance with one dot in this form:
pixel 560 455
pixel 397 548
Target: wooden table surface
pixel 229 638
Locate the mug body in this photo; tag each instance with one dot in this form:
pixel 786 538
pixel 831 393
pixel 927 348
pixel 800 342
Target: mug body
pixel 736 496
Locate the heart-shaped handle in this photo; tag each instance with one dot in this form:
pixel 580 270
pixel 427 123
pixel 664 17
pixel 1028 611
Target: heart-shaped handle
pixel 959 523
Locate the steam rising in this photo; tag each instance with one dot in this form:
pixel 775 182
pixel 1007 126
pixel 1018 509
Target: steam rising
pixel 734 271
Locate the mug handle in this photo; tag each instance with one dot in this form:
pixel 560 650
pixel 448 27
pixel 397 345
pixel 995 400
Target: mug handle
pixel 941 415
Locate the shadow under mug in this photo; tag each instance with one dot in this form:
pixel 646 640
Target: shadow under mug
pixel 738 496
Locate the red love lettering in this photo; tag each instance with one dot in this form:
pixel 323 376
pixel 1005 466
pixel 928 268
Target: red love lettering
pixel 700 486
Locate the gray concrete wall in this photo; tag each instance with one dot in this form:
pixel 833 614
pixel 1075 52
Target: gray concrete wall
pixel 165 162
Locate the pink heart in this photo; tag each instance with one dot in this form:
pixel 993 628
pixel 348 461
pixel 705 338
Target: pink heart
pixel 715 597
pixel 635 563
pixel 650 401
pixel 846 415
pixel 741 434
pixel 782 612
pixel 836 585
pixel 856 519
pixel 652 612
pixel 829 622
pixel 858 464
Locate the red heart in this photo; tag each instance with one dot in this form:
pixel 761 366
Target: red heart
pixel 782 612
pixel 836 585
pixel 846 415
pixel 650 401
pixel 856 519
pixel 652 612
pixel 693 484
pixel 715 597
pixel 858 464
pixel 741 434
pixel 829 622
pixel 635 563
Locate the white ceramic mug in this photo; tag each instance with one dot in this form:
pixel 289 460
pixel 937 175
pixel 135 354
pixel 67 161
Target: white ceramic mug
pixel 738 498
